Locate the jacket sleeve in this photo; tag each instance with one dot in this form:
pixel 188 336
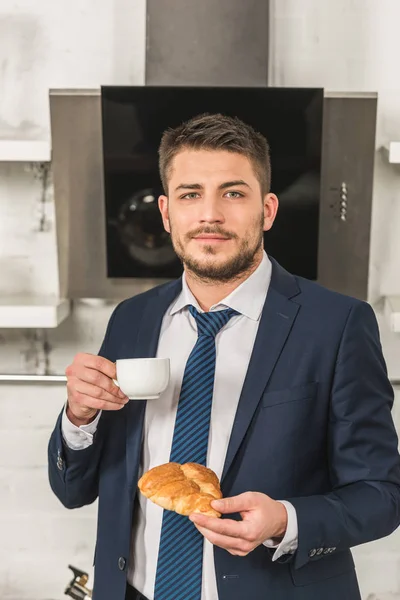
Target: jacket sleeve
pixel 74 474
pixel 364 463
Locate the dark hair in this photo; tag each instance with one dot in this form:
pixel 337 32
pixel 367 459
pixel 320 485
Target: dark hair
pixel 216 132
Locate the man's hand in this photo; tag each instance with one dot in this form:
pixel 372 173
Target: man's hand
pixel 91 388
pixel 263 518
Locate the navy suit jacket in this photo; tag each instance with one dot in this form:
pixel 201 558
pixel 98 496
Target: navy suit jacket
pixel 313 426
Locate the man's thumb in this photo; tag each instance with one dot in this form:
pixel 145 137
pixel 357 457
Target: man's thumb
pixel 234 504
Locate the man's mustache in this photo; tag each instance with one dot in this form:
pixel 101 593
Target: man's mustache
pixel 212 231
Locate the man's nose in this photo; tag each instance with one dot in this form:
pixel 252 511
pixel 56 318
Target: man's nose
pixel 211 211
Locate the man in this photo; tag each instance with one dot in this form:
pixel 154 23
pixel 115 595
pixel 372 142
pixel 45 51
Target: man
pixel 291 405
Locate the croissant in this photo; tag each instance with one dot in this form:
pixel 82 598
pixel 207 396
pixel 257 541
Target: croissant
pixel 185 489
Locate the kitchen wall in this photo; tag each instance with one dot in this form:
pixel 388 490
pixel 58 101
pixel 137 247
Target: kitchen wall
pixel 343 45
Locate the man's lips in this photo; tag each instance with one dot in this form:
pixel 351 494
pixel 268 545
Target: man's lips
pixel 210 236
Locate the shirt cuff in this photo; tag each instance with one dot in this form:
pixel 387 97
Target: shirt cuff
pixel 78 438
pixel 290 541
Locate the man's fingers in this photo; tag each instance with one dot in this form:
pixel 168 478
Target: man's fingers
pixel 86 401
pixel 236 546
pixel 225 527
pixel 98 363
pixel 98 379
pixel 236 504
pixel 81 388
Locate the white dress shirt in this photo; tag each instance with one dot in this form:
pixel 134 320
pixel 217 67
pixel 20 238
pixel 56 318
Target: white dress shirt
pixel 234 345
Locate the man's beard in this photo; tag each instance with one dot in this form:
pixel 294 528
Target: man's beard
pixel 234 267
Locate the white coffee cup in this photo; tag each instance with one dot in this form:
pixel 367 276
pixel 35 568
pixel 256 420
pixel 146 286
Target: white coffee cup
pixel 143 378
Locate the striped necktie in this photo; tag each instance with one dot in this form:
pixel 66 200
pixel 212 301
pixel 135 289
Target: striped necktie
pixel 180 556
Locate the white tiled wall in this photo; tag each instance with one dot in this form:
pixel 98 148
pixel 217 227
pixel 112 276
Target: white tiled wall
pixel 342 45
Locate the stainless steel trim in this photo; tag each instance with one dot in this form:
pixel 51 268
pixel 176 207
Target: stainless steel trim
pixel 79 200
pixel 75 92
pixel 328 94
pixel 348 149
pixel 63 379
pixel 177 55
pixel 33 378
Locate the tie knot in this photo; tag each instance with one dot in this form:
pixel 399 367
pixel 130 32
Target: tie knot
pixel 209 323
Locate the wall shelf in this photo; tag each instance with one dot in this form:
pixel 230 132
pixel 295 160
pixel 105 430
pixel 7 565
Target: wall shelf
pixel 21 312
pixel 24 151
pixel 394 152
pixel 392 312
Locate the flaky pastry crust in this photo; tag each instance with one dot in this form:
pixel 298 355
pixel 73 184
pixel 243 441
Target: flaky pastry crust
pixel 185 489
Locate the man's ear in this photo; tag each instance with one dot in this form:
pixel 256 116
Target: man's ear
pixel 271 204
pixel 163 206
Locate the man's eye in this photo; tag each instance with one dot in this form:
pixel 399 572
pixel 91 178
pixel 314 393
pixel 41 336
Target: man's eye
pixel 190 196
pixel 234 195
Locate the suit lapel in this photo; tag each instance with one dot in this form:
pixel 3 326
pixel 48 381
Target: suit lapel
pixel 145 347
pixel 276 322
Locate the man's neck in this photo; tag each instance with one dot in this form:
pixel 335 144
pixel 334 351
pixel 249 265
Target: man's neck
pixel 209 293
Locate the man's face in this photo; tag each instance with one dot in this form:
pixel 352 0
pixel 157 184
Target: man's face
pixel 215 213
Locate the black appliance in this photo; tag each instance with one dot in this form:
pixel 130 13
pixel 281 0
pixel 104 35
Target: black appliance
pixel 133 120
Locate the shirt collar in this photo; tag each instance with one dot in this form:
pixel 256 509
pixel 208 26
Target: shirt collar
pixel 248 298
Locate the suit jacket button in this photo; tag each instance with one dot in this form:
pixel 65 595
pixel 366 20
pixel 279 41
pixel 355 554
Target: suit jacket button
pixel 312 553
pixel 60 462
pixel 121 563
